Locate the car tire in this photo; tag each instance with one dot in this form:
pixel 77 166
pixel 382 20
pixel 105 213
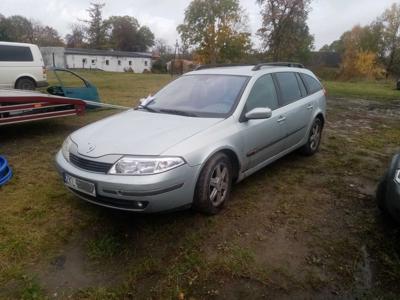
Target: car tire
pixel 25 84
pixel 214 185
pixel 314 138
pixel 381 194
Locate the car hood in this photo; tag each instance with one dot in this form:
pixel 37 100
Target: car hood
pixel 137 133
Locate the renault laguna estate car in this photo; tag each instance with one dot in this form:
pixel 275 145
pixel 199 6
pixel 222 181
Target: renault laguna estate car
pixel 186 145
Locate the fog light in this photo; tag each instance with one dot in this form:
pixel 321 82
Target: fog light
pixel 140 204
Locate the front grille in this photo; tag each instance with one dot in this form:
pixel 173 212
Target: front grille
pixel 89 165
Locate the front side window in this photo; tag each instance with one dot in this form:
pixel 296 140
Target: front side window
pixel 263 94
pixel 200 95
pixel 289 87
pixel 15 53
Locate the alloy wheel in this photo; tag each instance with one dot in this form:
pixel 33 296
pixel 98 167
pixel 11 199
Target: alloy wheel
pixel 219 183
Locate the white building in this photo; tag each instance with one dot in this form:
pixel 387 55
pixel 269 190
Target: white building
pixel 106 60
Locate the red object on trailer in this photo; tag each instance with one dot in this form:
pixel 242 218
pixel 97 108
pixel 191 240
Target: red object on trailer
pixel 24 106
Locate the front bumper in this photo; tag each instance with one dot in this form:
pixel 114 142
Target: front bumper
pixel 148 194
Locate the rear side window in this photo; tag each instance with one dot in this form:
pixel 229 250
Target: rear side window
pixel 263 94
pixel 15 53
pixel 312 84
pixel 289 87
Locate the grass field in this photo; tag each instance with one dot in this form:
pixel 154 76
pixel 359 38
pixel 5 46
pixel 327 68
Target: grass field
pixel 304 227
pixel 370 90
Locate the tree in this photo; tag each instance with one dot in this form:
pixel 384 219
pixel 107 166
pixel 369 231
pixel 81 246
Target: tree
pixel 284 30
pixel 96 28
pixel 391 38
pixel 122 32
pixel 16 29
pixel 144 39
pixel 162 48
pixel 217 29
pixel 125 33
pixel 359 60
pixel 46 36
pixel 76 39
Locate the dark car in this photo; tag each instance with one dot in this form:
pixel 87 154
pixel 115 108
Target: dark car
pixel 388 192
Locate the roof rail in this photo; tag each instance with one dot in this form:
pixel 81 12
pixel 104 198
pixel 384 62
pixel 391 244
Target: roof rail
pixel 278 64
pixel 202 67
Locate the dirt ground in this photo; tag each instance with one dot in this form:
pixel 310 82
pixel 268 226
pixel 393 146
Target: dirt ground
pixel 304 228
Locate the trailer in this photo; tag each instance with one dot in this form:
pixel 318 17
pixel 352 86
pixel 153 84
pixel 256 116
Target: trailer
pixel 18 106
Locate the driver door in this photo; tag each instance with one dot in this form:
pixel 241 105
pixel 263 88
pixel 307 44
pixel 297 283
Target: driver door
pixel 263 138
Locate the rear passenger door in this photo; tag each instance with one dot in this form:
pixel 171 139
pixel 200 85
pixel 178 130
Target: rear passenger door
pixel 263 138
pixel 297 107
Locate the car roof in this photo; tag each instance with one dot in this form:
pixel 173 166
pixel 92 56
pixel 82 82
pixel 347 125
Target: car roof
pixel 16 44
pixel 248 70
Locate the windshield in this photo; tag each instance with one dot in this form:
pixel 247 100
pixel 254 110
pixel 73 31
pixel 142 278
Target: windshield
pixel 199 95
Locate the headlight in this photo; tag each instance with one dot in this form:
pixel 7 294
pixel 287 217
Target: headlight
pixel 130 165
pixel 397 176
pixel 65 148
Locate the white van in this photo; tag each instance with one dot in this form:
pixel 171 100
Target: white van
pixel 21 66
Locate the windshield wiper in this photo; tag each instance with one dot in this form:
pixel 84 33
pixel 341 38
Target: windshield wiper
pixel 145 107
pixel 144 103
pixel 178 112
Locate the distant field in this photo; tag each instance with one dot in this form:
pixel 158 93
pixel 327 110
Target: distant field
pixel 369 90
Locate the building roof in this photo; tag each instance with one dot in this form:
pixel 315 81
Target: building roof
pixel 79 51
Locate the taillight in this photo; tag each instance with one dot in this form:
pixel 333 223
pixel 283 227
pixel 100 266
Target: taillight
pixel 325 92
pixel 44 70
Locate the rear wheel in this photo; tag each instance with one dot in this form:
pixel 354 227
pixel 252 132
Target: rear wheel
pixel 214 185
pixel 314 138
pixel 25 84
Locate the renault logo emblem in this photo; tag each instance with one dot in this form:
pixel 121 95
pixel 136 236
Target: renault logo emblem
pixel 90 148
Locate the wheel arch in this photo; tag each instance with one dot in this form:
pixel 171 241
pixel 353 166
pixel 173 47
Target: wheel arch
pixel 25 77
pixel 321 116
pixel 233 156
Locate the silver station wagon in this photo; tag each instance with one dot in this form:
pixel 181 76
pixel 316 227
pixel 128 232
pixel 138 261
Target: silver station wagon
pixel 186 145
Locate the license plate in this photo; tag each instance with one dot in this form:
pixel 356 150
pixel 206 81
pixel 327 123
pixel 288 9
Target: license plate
pixel 80 185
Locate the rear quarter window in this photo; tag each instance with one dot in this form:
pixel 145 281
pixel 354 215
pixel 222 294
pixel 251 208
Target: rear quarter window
pixel 15 53
pixel 312 84
pixel 289 87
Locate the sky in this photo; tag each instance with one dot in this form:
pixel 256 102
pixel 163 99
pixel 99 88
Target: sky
pixel 327 20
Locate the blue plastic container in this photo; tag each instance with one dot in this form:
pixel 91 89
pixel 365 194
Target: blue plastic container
pixel 5 171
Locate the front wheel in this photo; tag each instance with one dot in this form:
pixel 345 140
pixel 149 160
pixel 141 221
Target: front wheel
pixel 314 138
pixel 25 84
pixel 214 185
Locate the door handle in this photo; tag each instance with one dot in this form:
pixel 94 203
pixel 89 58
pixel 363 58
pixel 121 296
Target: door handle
pixel 310 106
pixel 281 119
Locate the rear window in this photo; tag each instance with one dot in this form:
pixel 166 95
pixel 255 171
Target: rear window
pixel 15 53
pixel 312 84
pixel 289 87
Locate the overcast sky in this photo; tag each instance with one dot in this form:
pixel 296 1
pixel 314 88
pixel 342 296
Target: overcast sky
pixel 328 18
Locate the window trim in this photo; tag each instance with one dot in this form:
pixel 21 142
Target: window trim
pixel 302 76
pixel 280 90
pixel 242 117
pixel 301 82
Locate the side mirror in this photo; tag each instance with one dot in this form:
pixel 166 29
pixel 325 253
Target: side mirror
pixel 259 113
